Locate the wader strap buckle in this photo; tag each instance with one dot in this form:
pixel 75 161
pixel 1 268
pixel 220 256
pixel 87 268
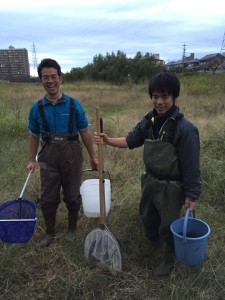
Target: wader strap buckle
pixel 48 138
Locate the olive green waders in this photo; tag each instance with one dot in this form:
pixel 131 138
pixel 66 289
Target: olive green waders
pixel 162 197
pixel 60 167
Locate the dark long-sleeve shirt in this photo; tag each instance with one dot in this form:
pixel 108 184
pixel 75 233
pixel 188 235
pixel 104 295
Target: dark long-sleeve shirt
pixel 186 141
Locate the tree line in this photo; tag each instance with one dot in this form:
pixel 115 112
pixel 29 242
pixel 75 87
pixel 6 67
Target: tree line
pixel 116 68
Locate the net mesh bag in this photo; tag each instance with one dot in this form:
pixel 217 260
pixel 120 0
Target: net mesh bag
pixel 102 249
pixel 17 221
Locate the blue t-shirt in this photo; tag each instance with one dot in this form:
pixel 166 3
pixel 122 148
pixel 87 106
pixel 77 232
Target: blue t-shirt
pixel 57 116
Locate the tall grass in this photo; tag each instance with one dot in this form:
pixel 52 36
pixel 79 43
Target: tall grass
pixel 60 271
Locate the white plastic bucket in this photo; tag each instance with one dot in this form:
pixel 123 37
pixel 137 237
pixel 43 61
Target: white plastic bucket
pixel 89 191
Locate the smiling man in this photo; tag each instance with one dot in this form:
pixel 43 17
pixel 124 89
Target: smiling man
pixel 171 177
pixel 58 120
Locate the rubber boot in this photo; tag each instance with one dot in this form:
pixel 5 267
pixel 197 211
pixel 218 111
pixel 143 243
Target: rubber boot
pixel 72 225
pixel 155 241
pixel 168 261
pixel 50 233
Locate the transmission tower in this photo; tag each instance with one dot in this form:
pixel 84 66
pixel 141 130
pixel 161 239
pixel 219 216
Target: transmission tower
pixel 184 54
pixel 222 51
pixel 34 56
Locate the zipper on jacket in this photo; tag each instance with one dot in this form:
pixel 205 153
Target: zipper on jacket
pixel 161 132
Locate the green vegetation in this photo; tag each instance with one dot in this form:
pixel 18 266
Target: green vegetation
pixel 116 68
pixel 60 271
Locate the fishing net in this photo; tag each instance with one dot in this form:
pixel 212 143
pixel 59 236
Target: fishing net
pixel 17 221
pixel 102 249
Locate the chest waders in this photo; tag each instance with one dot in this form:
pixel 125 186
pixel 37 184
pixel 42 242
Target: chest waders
pixel 162 193
pixel 60 161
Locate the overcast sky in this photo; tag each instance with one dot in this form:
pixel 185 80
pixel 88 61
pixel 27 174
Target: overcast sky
pixel 74 31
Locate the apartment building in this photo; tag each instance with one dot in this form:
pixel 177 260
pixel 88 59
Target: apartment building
pixel 14 65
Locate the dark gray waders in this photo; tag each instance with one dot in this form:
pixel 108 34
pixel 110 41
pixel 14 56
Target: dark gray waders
pixel 60 161
pixel 162 197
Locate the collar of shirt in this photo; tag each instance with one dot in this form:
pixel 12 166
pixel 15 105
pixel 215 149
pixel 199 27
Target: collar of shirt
pixel 47 100
pixel 54 101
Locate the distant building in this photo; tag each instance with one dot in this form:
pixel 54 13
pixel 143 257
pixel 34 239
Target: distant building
pixel 14 65
pixel 211 62
pixel 157 60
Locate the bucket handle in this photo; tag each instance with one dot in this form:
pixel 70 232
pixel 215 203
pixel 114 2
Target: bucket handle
pixel 185 223
pixel 93 170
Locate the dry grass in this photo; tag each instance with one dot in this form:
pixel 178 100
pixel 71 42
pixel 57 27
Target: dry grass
pixel 60 271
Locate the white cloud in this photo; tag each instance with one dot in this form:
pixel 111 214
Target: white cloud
pixel 74 31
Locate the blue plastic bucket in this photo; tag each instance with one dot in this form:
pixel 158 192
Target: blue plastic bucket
pixel 190 237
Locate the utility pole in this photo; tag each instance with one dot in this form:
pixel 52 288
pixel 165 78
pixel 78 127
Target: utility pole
pixel 184 54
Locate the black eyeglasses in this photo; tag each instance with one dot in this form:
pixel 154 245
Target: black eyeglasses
pixel 48 77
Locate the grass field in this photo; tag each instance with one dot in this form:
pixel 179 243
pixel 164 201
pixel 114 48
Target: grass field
pixel 60 271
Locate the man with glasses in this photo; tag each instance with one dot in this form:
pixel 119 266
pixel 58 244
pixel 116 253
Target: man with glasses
pixel 57 120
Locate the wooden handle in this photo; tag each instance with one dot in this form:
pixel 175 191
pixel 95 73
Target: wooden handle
pixel 101 177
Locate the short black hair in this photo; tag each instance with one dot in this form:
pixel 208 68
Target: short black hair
pixel 165 82
pixel 48 63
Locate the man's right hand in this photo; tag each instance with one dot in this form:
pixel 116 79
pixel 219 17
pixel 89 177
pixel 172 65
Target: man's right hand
pixel 31 166
pixel 98 137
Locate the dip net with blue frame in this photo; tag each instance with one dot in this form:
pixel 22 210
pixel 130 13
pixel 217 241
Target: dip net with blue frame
pixel 17 219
